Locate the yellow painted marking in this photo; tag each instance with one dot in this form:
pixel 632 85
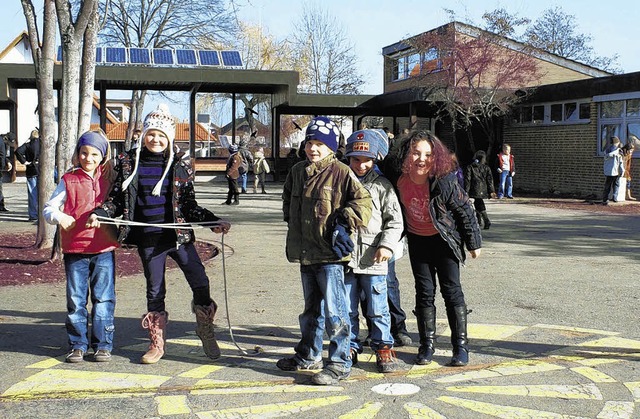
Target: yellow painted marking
pixel 274 410
pixel 172 405
pixel 634 388
pixel 585 391
pixel 594 375
pixel 590 362
pixel 614 342
pixel 366 411
pixel 418 371
pixel 576 329
pixel 201 372
pixel 616 410
pixel 47 363
pixel 570 358
pixel 251 387
pixel 197 342
pixel 502 411
pixel 60 383
pixel 493 331
pixel 421 411
pixel 504 369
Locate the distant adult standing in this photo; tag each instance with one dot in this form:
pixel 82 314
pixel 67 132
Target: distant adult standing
pixel 260 171
pixel 613 168
pixel 5 163
pixel 507 170
pixel 29 155
pixel 478 183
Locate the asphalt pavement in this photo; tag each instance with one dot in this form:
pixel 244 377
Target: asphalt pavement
pixel 553 333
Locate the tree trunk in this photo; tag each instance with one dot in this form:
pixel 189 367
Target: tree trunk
pixel 135 115
pixel 88 76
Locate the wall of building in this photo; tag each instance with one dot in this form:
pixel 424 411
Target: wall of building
pixel 560 159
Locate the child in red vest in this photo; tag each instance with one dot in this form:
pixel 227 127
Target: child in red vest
pixel 88 252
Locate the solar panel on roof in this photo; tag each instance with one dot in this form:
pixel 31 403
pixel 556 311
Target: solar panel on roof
pixel 186 57
pixel 139 56
pixel 209 57
pixel 231 58
pixel 98 54
pixel 163 56
pixel 59 56
pixel 115 55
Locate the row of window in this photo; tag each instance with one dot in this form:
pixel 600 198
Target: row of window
pixel 619 118
pixel 552 113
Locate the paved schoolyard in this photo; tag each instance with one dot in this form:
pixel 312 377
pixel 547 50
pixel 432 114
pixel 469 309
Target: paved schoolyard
pixel 553 330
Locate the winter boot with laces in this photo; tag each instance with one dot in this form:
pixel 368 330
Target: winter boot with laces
pixel 387 361
pixel 204 329
pixel 156 323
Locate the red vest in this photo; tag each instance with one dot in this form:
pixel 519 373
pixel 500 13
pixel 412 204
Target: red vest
pixel 84 194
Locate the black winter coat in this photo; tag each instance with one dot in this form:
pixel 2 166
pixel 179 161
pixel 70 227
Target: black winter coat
pixel 29 154
pixel 478 180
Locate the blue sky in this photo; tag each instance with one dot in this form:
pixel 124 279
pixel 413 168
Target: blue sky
pixel 374 24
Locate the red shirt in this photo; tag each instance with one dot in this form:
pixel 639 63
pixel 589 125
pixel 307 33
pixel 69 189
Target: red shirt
pixel 415 200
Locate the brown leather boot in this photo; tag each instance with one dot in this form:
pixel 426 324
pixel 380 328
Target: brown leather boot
pixel 204 329
pixel 156 323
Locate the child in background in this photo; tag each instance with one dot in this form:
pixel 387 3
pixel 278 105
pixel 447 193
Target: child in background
pixel 322 202
pixel 88 253
pixel 260 170
pixel 478 183
pixel 374 248
pixel 234 167
pixel 154 185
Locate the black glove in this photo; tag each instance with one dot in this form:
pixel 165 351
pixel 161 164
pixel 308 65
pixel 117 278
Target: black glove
pixel 341 242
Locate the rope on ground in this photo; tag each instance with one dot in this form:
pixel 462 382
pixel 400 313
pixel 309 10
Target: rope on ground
pixel 194 225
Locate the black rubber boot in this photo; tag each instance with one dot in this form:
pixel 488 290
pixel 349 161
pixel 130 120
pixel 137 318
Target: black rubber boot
pixel 427 331
pixel 2 207
pixel 457 317
pixel 487 221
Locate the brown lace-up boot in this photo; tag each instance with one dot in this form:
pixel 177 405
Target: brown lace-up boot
pixel 204 329
pixel 156 323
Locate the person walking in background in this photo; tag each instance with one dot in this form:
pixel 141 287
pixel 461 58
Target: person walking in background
pixel 323 202
pixel 613 168
pixel 260 171
pixel 154 185
pixel 627 152
pixel 247 162
pixel 374 247
pixel 234 167
pixel 5 162
pixel 478 183
pixel 89 259
pixel 506 170
pixel 29 155
pixel 428 186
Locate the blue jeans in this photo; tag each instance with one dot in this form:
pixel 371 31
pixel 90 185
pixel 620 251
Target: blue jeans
pixel 374 288
pixel 243 179
pixel 95 273
pixel 506 184
pixel 325 307
pixel 32 197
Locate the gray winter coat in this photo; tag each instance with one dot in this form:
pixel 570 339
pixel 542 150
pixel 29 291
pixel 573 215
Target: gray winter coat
pixel 383 230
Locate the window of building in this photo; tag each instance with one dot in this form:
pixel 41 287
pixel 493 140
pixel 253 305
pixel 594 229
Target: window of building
pixel 618 115
pixel 553 113
pixel 414 64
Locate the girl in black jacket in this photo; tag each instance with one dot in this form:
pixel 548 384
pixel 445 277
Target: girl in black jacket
pixel 439 222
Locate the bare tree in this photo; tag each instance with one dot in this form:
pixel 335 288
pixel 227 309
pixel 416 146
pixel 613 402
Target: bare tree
pixel 556 32
pixel 478 79
pixel 43 51
pixel 73 36
pixel 503 23
pixel 325 57
pixel 259 51
pixel 164 24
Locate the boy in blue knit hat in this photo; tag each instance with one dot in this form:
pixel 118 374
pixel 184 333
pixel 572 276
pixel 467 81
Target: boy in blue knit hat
pixel 323 202
pixel 375 245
